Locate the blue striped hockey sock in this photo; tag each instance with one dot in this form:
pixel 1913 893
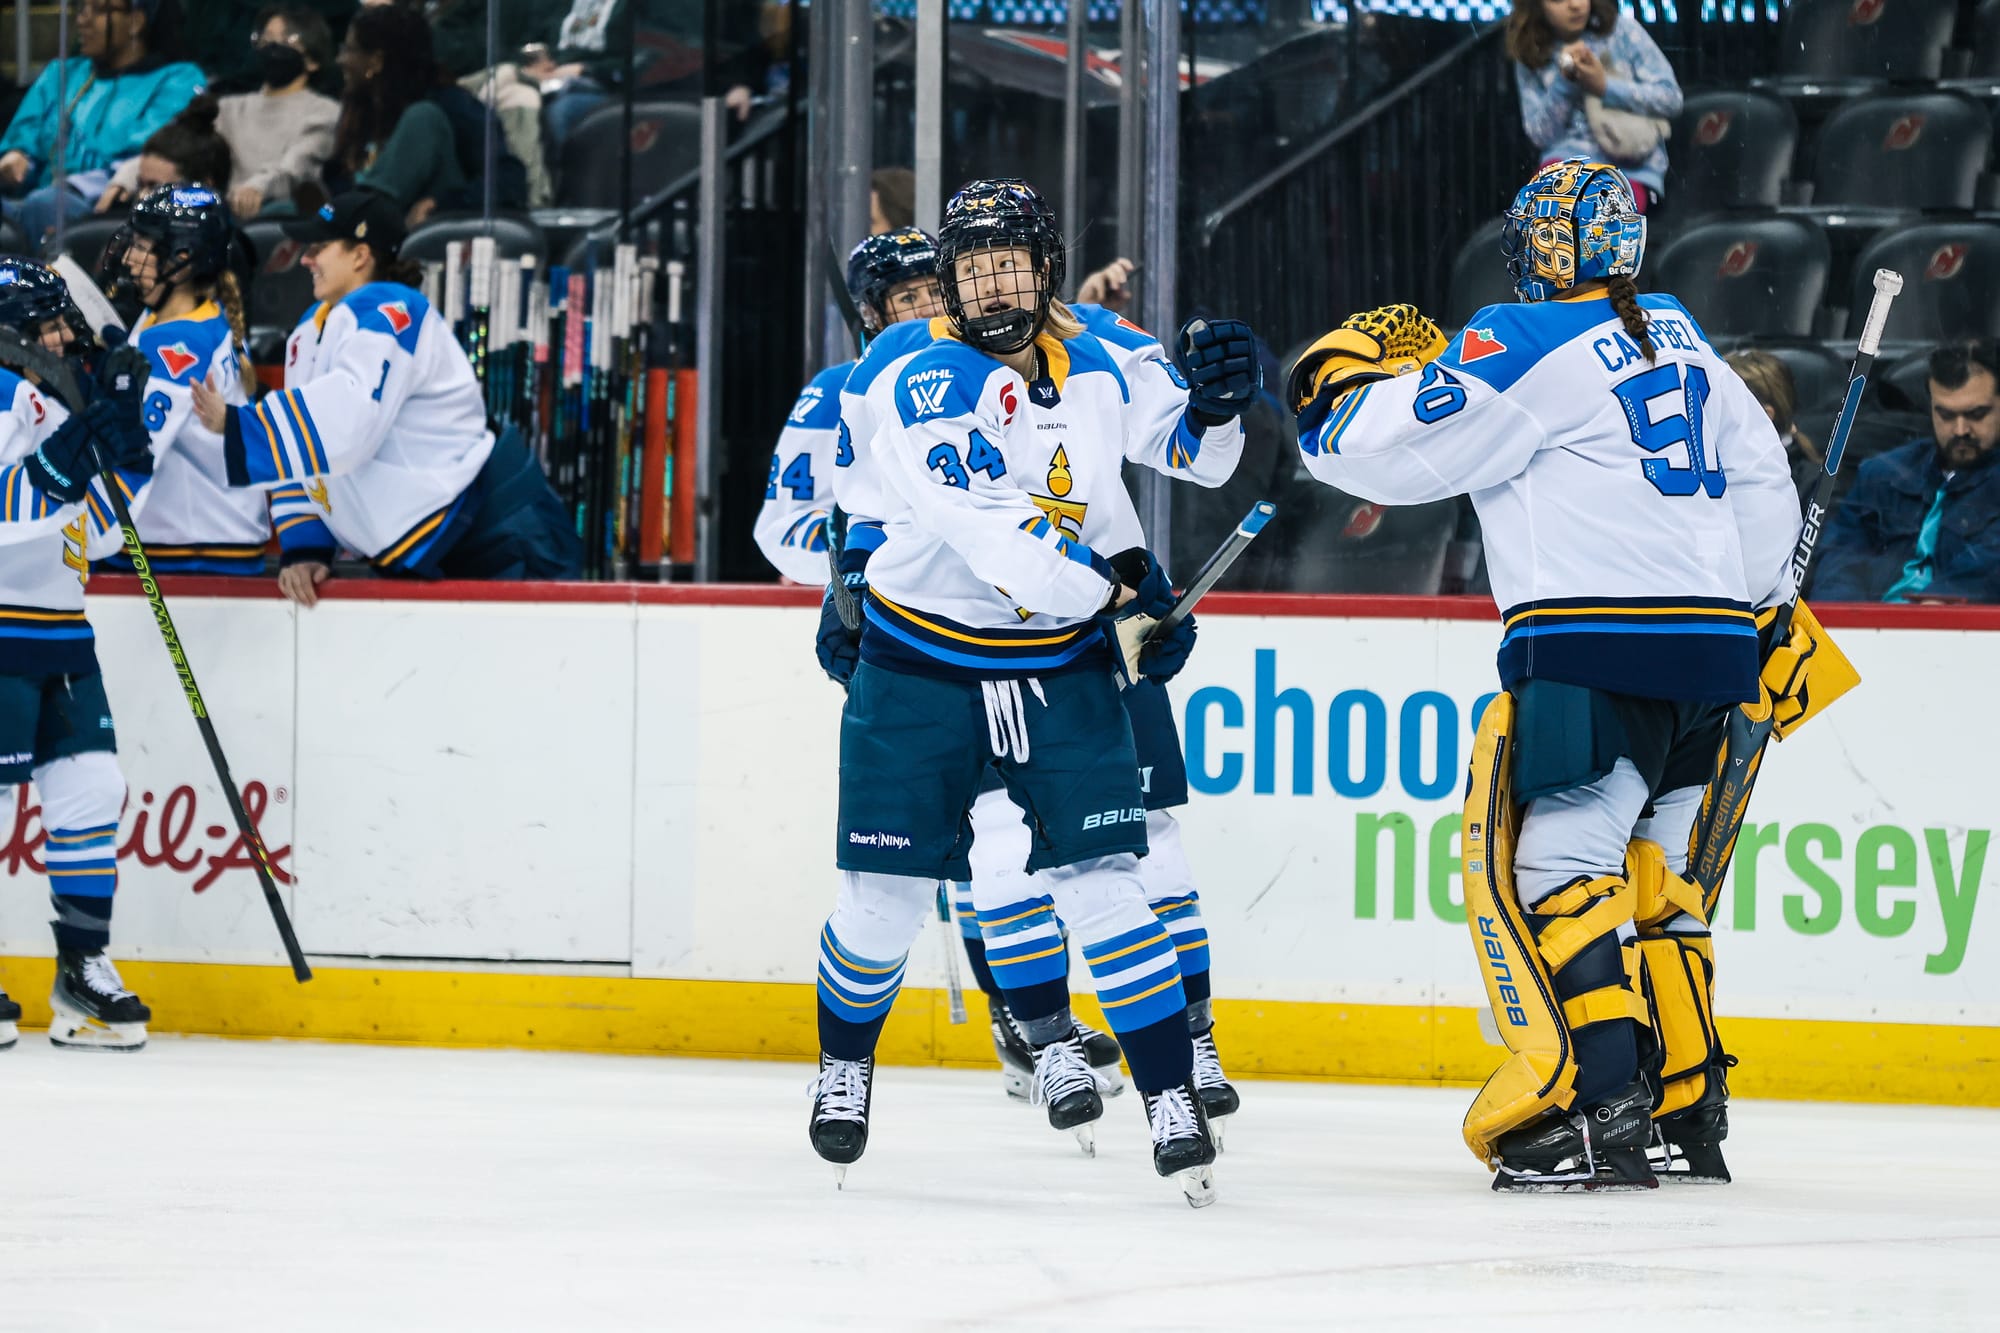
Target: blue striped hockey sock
pixel 1139 985
pixel 1030 965
pixel 1181 915
pixel 83 876
pixel 855 995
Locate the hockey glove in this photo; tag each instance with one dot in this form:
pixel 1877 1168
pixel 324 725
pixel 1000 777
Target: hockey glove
pixel 68 459
pixel 1125 629
pixel 1377 344
pixel 838 647
pixel 1224 375
pixel 1161 658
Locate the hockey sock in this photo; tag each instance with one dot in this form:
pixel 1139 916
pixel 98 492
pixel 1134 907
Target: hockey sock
pixel 83 875
pixel 982 971
pixel 1139 985
pixel 862 949
pixel 1160 1054
pixel 1196 985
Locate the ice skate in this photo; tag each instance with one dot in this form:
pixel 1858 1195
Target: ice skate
pixel 1597 1147
pixel 1065 1084
pixel 10 1019
pixel 1687 1145
pixel 1101 1051
pixel 1218 1098
pixel 1183 1147
pixel 839 1125
pixel 90 1008
pixel 1017 1058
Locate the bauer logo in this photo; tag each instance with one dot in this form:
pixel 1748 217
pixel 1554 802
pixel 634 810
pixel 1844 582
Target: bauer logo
pixel 1502 979
pixel 893 842
pixel 1136 815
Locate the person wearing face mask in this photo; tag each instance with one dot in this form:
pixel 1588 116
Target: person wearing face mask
pixel 125 85
pixel 1922 523
pixel 280 135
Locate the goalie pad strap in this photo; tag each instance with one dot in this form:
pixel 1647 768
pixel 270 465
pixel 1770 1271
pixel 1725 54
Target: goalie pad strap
pixel 1601 1006
pixel 1662 895
pixel 1563 940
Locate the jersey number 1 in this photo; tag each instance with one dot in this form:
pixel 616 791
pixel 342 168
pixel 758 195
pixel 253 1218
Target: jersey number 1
pixel 1703 473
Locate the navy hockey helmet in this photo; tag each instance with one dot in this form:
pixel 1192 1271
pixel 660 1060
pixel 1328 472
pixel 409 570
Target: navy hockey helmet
pixel 1000 215
pixel 883 262
pixel 32 297
pixel 190 232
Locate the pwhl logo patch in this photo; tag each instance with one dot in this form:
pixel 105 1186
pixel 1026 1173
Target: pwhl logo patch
pixel 177 359
pixel 398 315
pixel 1480 343
pixel 927 391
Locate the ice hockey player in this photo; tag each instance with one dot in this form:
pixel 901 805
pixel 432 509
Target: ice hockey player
pixel 1638 515
pixel 379 441
pixel 956 675
pixel 892 277
pixel 173 258
pixel 55 722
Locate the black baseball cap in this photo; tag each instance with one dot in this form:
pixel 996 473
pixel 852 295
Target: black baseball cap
pixel 357 216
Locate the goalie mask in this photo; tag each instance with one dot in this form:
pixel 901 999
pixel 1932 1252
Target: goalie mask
pixel 35 303
pixel 906 258
pixel 1001 262
pixel 1573 223
pixel 188 235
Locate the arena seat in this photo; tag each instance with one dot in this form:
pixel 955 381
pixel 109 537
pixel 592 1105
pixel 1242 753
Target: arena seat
pixel 1982 70
pixel 1951 276
pixel 512 237
pixel 1755 275
pixel 1478 276
pixel 1893 153
pixel 666 144
pixel 280 293
pixel 1818 374
pixel 1730 149
pixel 84 239
pixel 1844 47
pixel 13 241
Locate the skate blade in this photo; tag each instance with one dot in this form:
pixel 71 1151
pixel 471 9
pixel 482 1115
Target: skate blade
pixel 1015 1083
pixel 1197 1185
pixel 1109 1081
pixel 1505 1182
pixel 1215 1127
pixel 1086 1138
pixel 839 1177
pixel 9 1034
pixel 79 1032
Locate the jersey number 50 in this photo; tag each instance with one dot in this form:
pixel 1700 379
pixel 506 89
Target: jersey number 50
pixel 1689 384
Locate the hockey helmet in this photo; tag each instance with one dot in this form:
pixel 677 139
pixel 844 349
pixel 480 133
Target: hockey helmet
pixel 884 262
pixel 1573 223
pixel 190 232
pixel 987 215
pixel 32 296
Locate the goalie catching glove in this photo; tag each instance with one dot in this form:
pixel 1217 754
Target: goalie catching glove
pixel 1376 344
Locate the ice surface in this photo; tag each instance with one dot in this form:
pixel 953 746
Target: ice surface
pixel 262 1185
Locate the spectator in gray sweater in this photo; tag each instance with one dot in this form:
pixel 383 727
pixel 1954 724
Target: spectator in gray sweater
pixel 278 136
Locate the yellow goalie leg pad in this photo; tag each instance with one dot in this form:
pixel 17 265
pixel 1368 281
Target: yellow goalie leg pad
pixel 1677 975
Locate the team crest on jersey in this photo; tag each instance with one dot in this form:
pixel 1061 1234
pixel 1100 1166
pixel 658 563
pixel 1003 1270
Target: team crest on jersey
pixel 398 315
pixel 1480 343
pixel 177 359
pixel 1065 514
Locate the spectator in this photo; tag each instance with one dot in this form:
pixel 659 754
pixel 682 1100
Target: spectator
pixel 581 61
pixel 1593 85
pixel 185 149
pixel 124 86
pixel 406 130
pixel 1922 523
pixel 1771 381
pixel 281 135
pixel 892 199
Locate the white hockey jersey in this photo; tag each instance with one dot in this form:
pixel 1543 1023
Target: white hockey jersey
pixel 798 497
pixel 46 546
pixel 195 522
pixel 380 430
pixel 1635 514
pixel 996 496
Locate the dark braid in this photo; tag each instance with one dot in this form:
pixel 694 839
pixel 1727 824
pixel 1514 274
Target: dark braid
pixel 1624 295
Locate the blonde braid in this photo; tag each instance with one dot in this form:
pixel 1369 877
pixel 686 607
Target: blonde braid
pixel 229 295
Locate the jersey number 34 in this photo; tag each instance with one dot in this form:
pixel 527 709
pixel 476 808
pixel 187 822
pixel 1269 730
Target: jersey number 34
pixel 1686 387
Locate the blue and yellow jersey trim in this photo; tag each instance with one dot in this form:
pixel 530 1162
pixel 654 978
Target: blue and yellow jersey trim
pixel 925 643
pixel 239 559
pixel 1695 648
pixel 21 501
pixel 807 532
pixel 418 550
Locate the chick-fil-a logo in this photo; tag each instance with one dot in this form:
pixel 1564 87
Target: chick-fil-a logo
pixel 165 833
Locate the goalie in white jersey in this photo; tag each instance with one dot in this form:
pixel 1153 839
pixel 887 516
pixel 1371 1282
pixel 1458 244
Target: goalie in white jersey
pixel 1638 515
pixel 986 647
pixel 379 441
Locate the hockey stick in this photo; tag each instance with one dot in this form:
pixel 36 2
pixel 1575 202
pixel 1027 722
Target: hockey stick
pixel 1727 799
pixel 952 988
pixel 19 355
pixel 1218 564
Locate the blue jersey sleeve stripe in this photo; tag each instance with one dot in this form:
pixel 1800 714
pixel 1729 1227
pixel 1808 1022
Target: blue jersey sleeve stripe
pixel 308 431
pixel 260 440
